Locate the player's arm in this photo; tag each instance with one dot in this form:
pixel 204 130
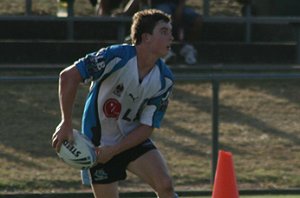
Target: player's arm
pixel 69 80
pixel 137 136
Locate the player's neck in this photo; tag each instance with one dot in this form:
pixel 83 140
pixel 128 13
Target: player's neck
pixel 145 60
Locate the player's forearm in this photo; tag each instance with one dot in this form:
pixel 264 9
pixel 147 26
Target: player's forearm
pixel 68 84
pixel 134 138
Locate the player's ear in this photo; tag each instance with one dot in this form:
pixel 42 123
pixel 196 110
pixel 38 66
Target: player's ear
pixel 145 37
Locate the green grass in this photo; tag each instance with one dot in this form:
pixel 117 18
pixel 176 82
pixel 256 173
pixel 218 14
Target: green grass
pixel 259 125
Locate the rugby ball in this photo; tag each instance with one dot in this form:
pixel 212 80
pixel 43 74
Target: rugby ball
pixel 80 154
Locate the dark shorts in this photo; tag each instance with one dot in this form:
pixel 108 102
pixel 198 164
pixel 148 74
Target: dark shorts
pixel 115 169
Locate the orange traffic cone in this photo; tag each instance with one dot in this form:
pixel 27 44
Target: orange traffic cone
pixel 225 185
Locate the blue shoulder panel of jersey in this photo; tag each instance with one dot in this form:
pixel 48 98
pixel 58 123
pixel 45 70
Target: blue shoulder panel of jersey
pixel 125 51
pixel 162 100
pixel 165 73
pixel 93 65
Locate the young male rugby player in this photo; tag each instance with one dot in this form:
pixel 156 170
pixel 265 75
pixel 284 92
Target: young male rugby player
pixel 128 98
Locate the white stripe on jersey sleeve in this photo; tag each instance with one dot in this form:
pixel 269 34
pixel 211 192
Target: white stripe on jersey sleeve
pixel 111 65
pixel 169 83
pixel 147 116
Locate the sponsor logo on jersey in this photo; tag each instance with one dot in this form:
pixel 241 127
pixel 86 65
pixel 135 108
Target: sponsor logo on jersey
pixel 118 90
pixel 112 108
pixel 133 97
pixel 95 63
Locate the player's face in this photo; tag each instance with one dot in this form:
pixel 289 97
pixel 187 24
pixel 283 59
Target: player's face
pixel 161 38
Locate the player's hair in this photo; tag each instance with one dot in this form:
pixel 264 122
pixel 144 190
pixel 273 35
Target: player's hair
pixel 144 22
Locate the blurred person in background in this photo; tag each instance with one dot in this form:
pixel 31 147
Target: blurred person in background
pixel 106 7
pixel 119 7
pixel 187 26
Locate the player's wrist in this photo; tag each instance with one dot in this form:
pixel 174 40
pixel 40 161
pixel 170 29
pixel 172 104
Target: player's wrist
pixel 116 149
pixel 67 123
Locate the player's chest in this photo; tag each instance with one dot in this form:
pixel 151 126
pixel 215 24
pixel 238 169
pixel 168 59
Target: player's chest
pixel 128 86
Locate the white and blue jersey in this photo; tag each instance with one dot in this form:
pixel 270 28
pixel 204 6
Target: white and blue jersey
pixel 118 100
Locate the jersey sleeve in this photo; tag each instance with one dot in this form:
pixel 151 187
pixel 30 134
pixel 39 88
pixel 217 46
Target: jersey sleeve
pixel 101 64
pixel 92 66
pixel 155 108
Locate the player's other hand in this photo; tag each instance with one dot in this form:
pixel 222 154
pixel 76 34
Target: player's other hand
pixel 62 132
pixel 104 154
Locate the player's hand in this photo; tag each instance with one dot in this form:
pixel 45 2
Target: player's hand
pixel 62 132
pixel 104 154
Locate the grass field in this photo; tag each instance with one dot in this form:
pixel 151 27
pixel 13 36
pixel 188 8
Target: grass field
pixel 259 125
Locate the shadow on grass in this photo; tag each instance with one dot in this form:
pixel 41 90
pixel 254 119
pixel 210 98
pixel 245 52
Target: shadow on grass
pixel 30 115
pixel 21 162
pixel 286 89
pixel 47 185
pixel 243 119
